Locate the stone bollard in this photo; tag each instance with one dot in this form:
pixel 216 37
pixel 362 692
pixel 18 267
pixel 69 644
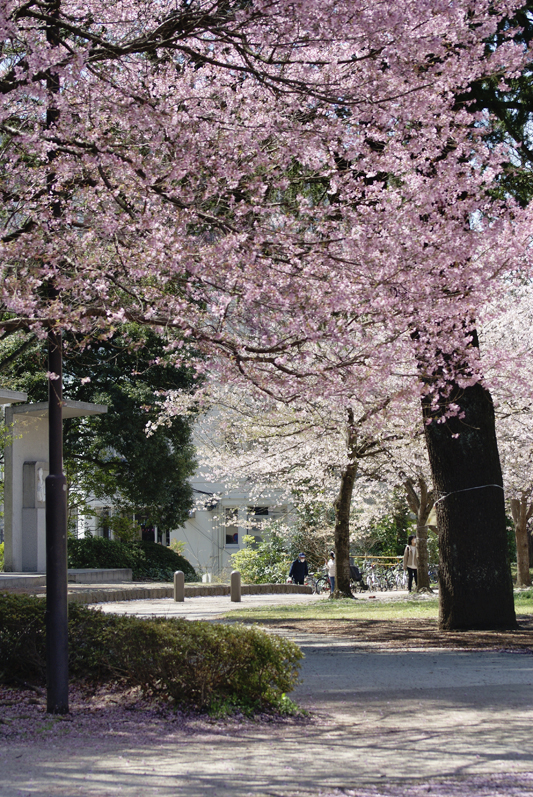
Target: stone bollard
pixel 235 586
pixel 179 586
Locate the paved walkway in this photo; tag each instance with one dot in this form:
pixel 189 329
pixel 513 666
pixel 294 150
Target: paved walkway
pixel 204 608
pixel 380 721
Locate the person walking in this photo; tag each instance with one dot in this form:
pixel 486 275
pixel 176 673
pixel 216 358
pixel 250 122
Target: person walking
pixel 332 571
pixel 299 569
pixel 410 561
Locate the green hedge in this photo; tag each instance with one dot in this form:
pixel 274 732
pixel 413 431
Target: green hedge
pixel 148 560
pixel 196 664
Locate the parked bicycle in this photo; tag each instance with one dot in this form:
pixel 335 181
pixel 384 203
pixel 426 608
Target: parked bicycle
pixel 375 578
pixel 400 577
pixel 433 574
pixel 310 580
pixel 322 585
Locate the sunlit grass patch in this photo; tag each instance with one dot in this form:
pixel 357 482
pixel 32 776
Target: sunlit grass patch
pixel 523 601
pixel 417 606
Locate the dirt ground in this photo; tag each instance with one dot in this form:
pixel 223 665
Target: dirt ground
pixel 412 634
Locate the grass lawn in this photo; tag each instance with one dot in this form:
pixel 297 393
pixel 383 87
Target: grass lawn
pixel 419 607
pixel 393 623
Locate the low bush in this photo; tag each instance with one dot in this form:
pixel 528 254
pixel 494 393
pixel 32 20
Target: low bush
pixel 148 560
pixel 265 562
pixel 196 664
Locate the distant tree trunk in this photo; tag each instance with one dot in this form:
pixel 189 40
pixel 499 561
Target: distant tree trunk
pixel 476 589
pixel 522 511
pixel 357 449
pixel 342 516
pixel 421 505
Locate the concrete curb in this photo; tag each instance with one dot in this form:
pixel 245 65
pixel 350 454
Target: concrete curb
pixel 137 592
pixel 115 593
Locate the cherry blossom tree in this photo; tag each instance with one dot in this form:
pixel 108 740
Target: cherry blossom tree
pixel 293 187
pixel 508 338
pixel 311 449
pixel 516 444
pixel 406 466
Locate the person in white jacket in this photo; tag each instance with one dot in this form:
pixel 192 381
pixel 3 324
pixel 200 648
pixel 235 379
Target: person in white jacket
pixel 332 571
pixel 410 561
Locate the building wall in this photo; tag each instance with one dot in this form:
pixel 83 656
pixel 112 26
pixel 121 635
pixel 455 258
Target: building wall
pixel 214 532
pixel 29 443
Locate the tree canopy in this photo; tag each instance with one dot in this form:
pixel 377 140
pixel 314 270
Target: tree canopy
pixel 110 456
pixel 303 190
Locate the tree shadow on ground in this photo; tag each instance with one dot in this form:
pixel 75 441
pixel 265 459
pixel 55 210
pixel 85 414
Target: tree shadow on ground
pixel 412 634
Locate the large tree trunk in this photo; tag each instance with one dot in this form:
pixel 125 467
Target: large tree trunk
pixel 521 513
pixel 476 590
pixel 421 504
pixel 342 517
pixel 423 559
pixel 342 532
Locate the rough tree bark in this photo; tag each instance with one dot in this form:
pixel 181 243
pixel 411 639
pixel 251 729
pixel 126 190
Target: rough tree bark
pixel 476 589
pixel 342 515
pixel 421 505
pixel 522 511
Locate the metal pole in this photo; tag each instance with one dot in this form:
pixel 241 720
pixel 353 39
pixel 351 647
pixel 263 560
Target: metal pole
pixel 56 540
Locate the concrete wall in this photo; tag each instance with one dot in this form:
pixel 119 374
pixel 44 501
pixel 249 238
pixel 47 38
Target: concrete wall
pixel 29 443
pixel 25 471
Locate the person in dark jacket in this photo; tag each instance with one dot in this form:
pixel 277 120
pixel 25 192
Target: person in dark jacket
pixel 299 569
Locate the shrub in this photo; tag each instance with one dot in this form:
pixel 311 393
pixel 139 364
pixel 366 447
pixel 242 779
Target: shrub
pixel 269 561
pixel 265 562
pixel 194 664
pixel 124 529
pixel 178 546
pixel 164 560
pixel 148 560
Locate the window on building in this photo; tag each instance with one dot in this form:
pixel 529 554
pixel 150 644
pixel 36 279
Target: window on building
pixel 104 523
pixel 256 516
pixel 231 523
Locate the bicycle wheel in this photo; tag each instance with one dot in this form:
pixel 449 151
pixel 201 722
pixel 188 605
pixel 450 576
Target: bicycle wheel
pixel 380 584
pixel 322 585
pixel 389 580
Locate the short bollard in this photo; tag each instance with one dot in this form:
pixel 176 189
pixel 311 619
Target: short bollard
pixel 235 586
pixel 179 586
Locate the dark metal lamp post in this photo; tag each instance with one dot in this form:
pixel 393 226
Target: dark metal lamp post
pixel 56 540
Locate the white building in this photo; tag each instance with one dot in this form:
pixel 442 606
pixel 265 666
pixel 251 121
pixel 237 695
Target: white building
pixel 218 525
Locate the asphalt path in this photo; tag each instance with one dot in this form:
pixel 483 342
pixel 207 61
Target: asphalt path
pixel 381 722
